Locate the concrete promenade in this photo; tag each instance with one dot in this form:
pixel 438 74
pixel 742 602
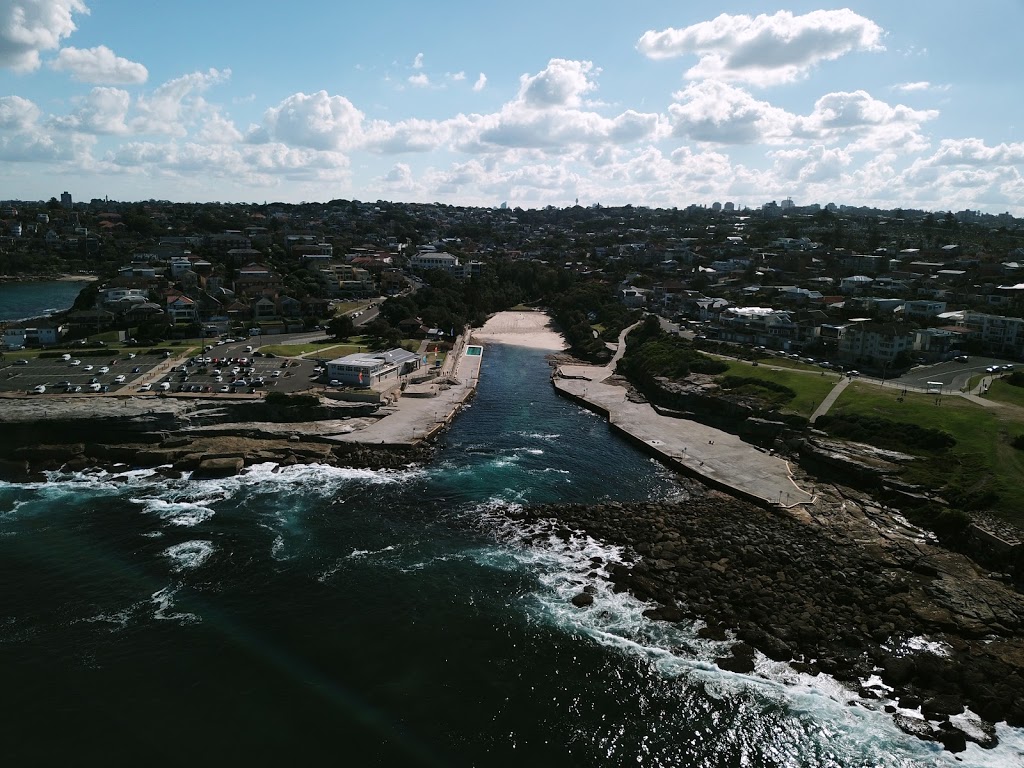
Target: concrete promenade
pixel 719 458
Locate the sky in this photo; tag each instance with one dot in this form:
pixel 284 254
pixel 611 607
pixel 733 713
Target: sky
pixel 534 103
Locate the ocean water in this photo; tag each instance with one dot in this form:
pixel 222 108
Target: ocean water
pixel 31 299
pixel 396 618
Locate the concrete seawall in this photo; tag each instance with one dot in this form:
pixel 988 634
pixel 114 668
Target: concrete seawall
pixel 717 458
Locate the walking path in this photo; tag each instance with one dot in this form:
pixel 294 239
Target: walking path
pixel 721 459
pixel 830 398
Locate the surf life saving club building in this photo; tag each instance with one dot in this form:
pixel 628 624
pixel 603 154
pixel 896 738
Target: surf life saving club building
pixel 373 370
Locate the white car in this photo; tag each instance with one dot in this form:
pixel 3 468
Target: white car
pixel 119 379
pixel 75 362
pixel 87 368
pixel 39 389
pixel 275 374
pixel 95 387
pixel 146 387
pixel 225 389
pixel 105 369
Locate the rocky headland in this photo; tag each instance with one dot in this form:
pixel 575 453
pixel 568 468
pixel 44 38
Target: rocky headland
pixel 845 588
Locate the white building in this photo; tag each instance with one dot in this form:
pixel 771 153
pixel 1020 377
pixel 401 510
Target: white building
pixel 426 260
pixel 376 370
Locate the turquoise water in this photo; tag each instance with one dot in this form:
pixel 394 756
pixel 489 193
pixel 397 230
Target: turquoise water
pixel 23 300
pixel 402 618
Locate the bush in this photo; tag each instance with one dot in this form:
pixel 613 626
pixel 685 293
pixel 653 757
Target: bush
pixel 1018 442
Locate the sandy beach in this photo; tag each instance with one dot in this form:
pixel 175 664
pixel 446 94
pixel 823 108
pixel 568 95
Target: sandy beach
pixel 522 329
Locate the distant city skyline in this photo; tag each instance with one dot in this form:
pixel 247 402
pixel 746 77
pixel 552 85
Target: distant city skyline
pixel 662 104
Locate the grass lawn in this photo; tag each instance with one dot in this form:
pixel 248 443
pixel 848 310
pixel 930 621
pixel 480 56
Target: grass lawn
pixel 333 348
pixel 291 350
pixel 982 459
pixel 1003 392
pixel 810 388
pixel 344 307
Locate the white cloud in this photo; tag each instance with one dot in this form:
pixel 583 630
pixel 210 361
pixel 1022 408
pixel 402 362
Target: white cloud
pixel 103 111
pixel 815 164
pixel 99 65
pixel 17 114
pixel 561 84
pixel 174 105
pixel 457 76
pixel 764 50
pixel 35 148
pixel 717 112
pixel 420 80
pixel 417 63
pixel 316 121
pixel 974 152
pixel 853 109
pixel 217 129
pixel 920 86
pixel 481 81
pixel 28 27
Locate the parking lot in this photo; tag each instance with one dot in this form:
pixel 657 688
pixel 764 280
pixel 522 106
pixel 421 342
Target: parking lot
pixel 223 370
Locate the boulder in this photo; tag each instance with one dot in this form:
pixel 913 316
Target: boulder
pixel 226 466
pixel 583 599
pixel 743 665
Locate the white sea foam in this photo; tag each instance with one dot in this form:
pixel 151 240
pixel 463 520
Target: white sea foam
pixel 189 554
pixel 361 554
pixel 183 513
pixel 163 603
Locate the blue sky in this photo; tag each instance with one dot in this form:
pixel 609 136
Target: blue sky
pixel 914 105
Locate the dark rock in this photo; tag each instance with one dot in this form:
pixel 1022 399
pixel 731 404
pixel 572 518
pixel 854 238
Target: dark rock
pixel 219 467
pixel 741 664
pixel 951 737
pixel 582 600
pixel 712 632
pixel 940 707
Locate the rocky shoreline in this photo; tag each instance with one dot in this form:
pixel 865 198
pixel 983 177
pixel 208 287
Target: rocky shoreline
pixel 843 595
pixel 209 439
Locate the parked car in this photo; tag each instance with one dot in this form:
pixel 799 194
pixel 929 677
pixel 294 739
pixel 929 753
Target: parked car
pixel 147 387
pixel 21 361
pixel 119 379
pixel 39 389
pixel 75 362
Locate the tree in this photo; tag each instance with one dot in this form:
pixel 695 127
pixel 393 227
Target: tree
pixel 341 327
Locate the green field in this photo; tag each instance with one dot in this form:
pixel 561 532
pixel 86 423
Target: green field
pixel 810 388
pixel 1003 392
pixel 333 348
pixel 982 465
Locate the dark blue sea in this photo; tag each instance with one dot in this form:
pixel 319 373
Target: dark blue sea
pixel 318 616
pixel 19 301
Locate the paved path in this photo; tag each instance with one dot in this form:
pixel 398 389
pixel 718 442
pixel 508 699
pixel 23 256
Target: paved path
pixel 720 458
pixel 830 398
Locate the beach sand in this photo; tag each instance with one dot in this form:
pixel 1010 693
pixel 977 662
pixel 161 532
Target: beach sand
pixel 521 329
